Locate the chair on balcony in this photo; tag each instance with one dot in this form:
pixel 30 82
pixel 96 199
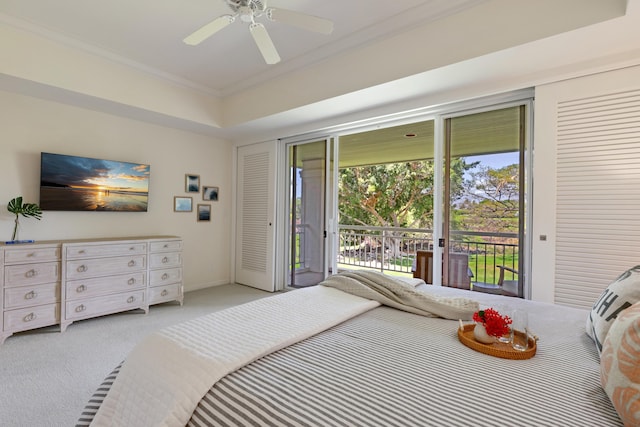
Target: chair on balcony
pixel 459 272
pixel 503 287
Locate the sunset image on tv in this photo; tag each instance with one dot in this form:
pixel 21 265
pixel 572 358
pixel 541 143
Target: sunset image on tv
pixel 72 183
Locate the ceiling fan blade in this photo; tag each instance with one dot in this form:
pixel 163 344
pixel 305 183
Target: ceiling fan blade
pixel 301 20
pixel 208 30
pixel 262 39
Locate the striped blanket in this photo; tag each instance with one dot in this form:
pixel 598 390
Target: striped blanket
pixel 169 371
pixel 390 368
pixel 393 368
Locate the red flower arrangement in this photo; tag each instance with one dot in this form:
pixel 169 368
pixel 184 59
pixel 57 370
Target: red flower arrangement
pixel 495 324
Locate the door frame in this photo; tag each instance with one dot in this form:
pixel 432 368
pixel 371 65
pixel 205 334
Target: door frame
pixel 438 113
pixel 283 243
pixel 526 165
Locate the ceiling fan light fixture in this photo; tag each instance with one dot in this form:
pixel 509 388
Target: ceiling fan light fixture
pixel 246 14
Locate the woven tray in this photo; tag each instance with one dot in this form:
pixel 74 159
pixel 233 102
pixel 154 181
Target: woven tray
pixel 497 349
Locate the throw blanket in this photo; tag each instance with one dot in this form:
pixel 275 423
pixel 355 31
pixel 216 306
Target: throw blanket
pixel 401 295
pixel 166 375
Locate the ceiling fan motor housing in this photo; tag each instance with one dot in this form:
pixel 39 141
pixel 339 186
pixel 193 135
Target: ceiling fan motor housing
pixel 255 7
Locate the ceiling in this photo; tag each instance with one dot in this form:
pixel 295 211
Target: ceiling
pixel 149 33
pixel 382 56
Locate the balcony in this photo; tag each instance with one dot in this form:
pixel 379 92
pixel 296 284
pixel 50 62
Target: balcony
pixel 393 251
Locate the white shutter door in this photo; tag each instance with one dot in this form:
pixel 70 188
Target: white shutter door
pixel 598 194
pixel 255 216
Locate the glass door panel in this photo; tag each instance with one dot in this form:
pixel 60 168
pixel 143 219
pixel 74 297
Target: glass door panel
pixel 484 204
pixel 307 202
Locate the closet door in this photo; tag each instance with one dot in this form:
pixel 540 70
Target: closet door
pixel 255 229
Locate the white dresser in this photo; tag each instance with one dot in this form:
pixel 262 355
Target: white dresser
pixel 30 287
pixel 60 282
pixel 165 271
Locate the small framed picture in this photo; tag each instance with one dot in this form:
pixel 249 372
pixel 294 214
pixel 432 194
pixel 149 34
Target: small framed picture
pixel 210 193
pixel 182 204
pixel 192 183
pixel 204 212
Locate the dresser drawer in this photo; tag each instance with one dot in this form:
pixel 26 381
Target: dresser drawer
pixel 165 293
pixel 105 285
pixel 31 274
pixel 30 318
pixel 165 276
pixel 83 268
pixel 28 296
pixel 165 246
pixel 94 251
pixel 31 254
pixel 165 260
pixel 91 307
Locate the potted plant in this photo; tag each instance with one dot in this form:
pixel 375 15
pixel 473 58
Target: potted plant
pixel 16 207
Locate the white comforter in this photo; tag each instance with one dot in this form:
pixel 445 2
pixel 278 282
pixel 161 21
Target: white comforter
pixel 164 378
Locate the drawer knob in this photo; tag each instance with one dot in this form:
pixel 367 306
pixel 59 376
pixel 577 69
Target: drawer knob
pixel 81 251
pixel 81 288
pixel 80 308
pixel 132 248
pixel 31 254
pixel 166 245
pixel 165 276
pixel 31 273
pixel 30 295
pixel 131 299
pixel 165 260
pixel 82 268
pixel 30 317
pixel 132 263
pixel 164 293
pixel 131 281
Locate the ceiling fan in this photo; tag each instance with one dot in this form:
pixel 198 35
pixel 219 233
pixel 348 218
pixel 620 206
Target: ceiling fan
pixel 248 11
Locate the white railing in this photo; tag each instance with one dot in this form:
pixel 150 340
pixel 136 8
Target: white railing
pixel 394 249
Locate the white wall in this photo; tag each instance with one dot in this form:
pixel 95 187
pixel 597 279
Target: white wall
pixel 40 64
pixel 30 126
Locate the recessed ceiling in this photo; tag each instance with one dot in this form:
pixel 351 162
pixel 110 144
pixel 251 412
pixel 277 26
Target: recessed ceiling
pixel 149 33
pixel 405 54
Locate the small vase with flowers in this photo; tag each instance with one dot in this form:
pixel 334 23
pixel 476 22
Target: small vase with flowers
pixel 490 325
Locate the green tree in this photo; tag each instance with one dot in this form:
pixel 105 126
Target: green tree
pixel 491 201
pixel 393 195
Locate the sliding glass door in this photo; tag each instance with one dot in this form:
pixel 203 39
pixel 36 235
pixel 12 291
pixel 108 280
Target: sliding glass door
pixel 308 178
pixel 441 198
pixel 484 195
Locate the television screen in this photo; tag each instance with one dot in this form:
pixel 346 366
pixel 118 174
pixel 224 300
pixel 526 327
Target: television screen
pixel 72 183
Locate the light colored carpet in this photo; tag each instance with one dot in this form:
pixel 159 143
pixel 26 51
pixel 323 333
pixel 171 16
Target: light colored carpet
pixel 47 377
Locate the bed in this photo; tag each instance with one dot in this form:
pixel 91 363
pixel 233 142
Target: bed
pixel 368 364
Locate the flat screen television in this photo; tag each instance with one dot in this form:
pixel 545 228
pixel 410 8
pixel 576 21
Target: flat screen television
pixel 73 183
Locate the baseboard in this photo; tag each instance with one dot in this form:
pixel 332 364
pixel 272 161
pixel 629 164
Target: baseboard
pixel 200 286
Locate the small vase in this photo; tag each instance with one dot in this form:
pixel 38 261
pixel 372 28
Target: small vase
pixel 481 335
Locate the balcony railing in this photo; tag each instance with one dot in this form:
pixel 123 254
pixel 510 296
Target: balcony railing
pixel 393 249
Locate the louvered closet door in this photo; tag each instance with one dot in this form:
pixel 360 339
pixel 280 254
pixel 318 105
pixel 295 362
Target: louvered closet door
pixel 255 216
pixel 598 193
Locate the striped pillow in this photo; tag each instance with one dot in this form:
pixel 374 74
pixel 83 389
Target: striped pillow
pixel 620 365
pixel 619 295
